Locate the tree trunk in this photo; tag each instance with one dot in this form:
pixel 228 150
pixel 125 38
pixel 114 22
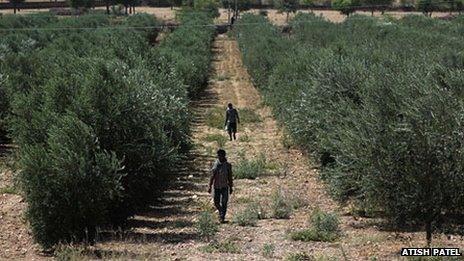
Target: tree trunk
pixel 14 9
pixel 288 13
pixel 428 230
pixel 107 7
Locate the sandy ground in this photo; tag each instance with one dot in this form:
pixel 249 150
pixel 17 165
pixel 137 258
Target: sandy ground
pixel 15 238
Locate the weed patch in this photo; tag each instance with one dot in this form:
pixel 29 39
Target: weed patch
pixel 250 169
pixel 325 227
pixel 280 206
pixel 9 190
pixel 227 246
pixel 218 138
pixel 215 118
pixel 206 226
pixel 249 116
pixel 299 256
pixel 268 250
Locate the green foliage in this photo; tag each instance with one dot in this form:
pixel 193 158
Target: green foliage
pixel 64 178
pixel 280 206
pixel 325 227
pixel 206 225
pixel 9 190
pixel 298 256
pixel 215 118
pixel 247 216
pixel 69 253
pixel 378 103
pixel 250 169
pixel 211 7
pixel 286 6
pixel 249 116
pixel 189 48
pixel 145 24
pixel 345 7
pixel 99 116
pixel 427 6
pixel 218 138
pixel 227 246
pixel 268 250
pixel 324 222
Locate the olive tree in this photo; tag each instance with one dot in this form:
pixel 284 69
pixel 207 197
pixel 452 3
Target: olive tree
pixel 286 6
pixel 346 7
pixel 16 4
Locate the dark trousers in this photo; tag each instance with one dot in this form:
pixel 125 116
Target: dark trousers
pixel 221 196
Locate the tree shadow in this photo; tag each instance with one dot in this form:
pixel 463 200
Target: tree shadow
pixel 448 226
pixel 167 218
pixel 145 237
pixel 180 223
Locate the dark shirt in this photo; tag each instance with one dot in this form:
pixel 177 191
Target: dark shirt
pixel 222 173
pixel 231 115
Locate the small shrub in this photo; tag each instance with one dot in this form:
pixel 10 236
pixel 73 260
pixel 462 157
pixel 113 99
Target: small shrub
pixel 206 225
pixel 244 138
pixel 218 138
pixel 325 227
pixel 299 256
pixel 215 118
pixel 325 222
pixel 268 250
pixel 250 169
pixel 8 190
pixel 69 253
pixel 249 116
pixel 298 202
pixel 222 247
pixel 248 216
pixel 280 206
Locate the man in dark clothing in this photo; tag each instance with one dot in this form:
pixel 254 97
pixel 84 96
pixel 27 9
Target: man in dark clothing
pixel 222 179
pixel 231 121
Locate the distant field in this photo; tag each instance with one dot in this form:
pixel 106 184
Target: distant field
pixel 168 14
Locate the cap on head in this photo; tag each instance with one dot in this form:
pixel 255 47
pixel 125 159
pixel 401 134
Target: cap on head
pixel 229 105
pixel 221 153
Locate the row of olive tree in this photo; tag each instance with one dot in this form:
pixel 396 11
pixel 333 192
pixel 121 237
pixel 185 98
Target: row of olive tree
pixel 383 116
pixel 348 7
pixel 100 116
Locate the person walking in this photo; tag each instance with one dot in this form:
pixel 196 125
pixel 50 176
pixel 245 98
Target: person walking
pixel 221 177
pixel 232 119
